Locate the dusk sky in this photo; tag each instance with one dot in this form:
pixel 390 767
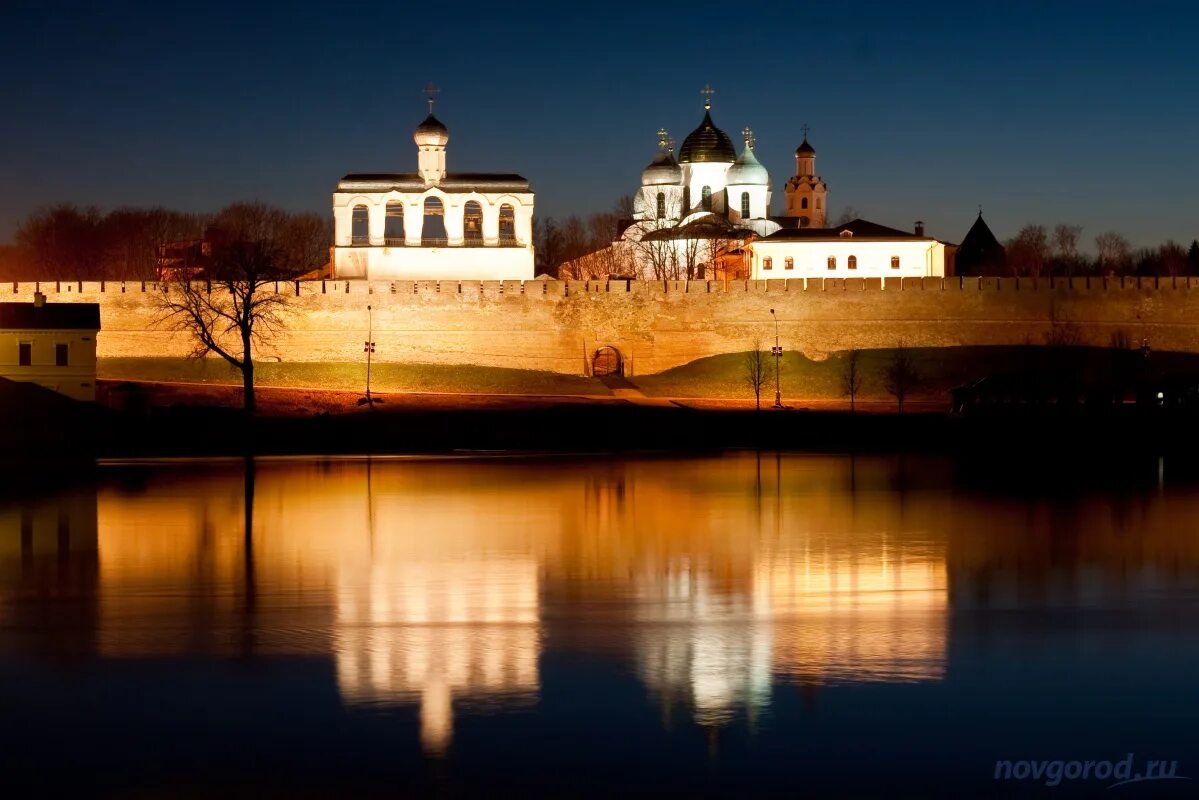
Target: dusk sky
pixel 1085 113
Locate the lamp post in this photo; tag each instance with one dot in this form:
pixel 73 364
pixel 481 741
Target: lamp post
pixel 778 352
pixel 368 347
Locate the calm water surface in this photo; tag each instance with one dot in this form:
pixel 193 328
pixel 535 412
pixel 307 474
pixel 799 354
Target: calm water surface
pixel 789 625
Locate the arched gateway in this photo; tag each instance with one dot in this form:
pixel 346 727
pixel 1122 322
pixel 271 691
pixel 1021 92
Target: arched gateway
pixel 607 361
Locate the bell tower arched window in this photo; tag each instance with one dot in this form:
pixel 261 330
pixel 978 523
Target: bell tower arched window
pixel 706 198
pixel 433 230
pixel 393 223
pixel 661 205
pixel 745 205
pixel 360 226
pixel 507 224
pixel 472 224
pixel 803 202
pixel 853 262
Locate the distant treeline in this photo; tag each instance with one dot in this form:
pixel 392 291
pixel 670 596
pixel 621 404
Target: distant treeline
pixel 1037 251
pixel 71 243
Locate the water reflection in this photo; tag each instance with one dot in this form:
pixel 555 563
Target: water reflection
pixel 442 586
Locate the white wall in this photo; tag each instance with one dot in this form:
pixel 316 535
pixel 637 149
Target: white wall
pixel 414 205
pixel 917 258
pixel 702 174
pixel 434 263
pixel 76 380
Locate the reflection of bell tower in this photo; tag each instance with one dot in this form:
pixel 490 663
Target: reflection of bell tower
pixel 806 194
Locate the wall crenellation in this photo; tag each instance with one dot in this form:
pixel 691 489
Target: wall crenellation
pixel 657 325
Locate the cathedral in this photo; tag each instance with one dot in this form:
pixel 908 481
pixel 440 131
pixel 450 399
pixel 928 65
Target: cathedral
pixel 706 214
pixel 433 224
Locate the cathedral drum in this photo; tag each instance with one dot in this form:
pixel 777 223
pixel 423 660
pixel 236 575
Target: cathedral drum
pixel 607 361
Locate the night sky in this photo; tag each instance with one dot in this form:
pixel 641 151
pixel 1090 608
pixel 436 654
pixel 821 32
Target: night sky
pixel 1043 112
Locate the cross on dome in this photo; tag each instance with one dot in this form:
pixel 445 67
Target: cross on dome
pixel 707 92
pixel 431 93
pixel 664 141
pixel 748 136
pixel 805 130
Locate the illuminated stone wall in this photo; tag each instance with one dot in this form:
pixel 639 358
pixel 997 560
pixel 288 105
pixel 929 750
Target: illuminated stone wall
pixel 553 325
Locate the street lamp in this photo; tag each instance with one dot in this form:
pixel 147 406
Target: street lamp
pixel 368 347
pixel 778 352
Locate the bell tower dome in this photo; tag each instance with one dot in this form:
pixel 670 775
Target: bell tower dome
pixel 431 137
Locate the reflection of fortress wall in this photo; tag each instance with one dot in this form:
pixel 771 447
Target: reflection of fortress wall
pixel 49 569
pixel 1075 552
pixel 552 325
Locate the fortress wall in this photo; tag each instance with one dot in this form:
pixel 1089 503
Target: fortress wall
pixel 554 325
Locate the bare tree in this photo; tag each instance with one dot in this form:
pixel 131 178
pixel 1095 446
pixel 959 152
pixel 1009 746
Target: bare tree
pixel 1173 259
pixel 1114 251
pixel 902 376
pixel 1028 251
pixel 1065 245
pixel 755 370
pixel 851 377
pixel 848 215
pixel 231 312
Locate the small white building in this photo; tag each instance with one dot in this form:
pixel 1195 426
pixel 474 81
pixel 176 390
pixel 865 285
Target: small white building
pixel 857 249
pixel 432 224
pixel 51 344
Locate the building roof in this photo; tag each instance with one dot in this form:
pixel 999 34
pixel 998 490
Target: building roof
pixel 980 250
pixel 453 182
pixel 805 149
pixel 50 316
pixel 860 228
pixel 707 143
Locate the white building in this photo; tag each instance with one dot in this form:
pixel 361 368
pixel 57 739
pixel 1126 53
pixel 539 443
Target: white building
pixel 432 224
pixel 707 215
pixel 857 249
pixel 52 345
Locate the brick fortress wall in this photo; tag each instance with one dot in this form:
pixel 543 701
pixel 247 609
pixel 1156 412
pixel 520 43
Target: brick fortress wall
pixel 557 325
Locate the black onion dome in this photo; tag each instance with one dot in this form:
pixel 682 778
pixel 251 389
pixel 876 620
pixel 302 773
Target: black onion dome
pixel 707 143
pixel 805 149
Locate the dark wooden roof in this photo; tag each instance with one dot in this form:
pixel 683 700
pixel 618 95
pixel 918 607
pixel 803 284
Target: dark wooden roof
pixel 452 182
pixel 860 228
pixel 50 317
pixel 980 252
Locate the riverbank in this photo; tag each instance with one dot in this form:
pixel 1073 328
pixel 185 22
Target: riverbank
pixel 53 430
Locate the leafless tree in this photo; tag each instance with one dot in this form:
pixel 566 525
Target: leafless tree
pixel 235 309
pixel 1028 251
pixel 848 214
pixel 851 377
pixel 755 370
pixel 1173 259
pixel 1065 244
pixel 902 377
pixel 1114 252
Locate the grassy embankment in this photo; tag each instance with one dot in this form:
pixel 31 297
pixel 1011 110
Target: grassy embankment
pixel 352 377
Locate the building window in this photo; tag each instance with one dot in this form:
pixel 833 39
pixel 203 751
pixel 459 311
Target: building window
pixel 661 205
pixel 832 262
pixel 432 232
pixel 472 223
pixel 745 205
pixel 360 226
pixel 853 262
pixel 61 352
pixel 817 203
pixel 894 262
pixel 686 200
pixel 507 224
pixel 706 198
pixel 393 224
pixel 803 202
pixel 789 263
pixel 767 263
pixel 25 354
